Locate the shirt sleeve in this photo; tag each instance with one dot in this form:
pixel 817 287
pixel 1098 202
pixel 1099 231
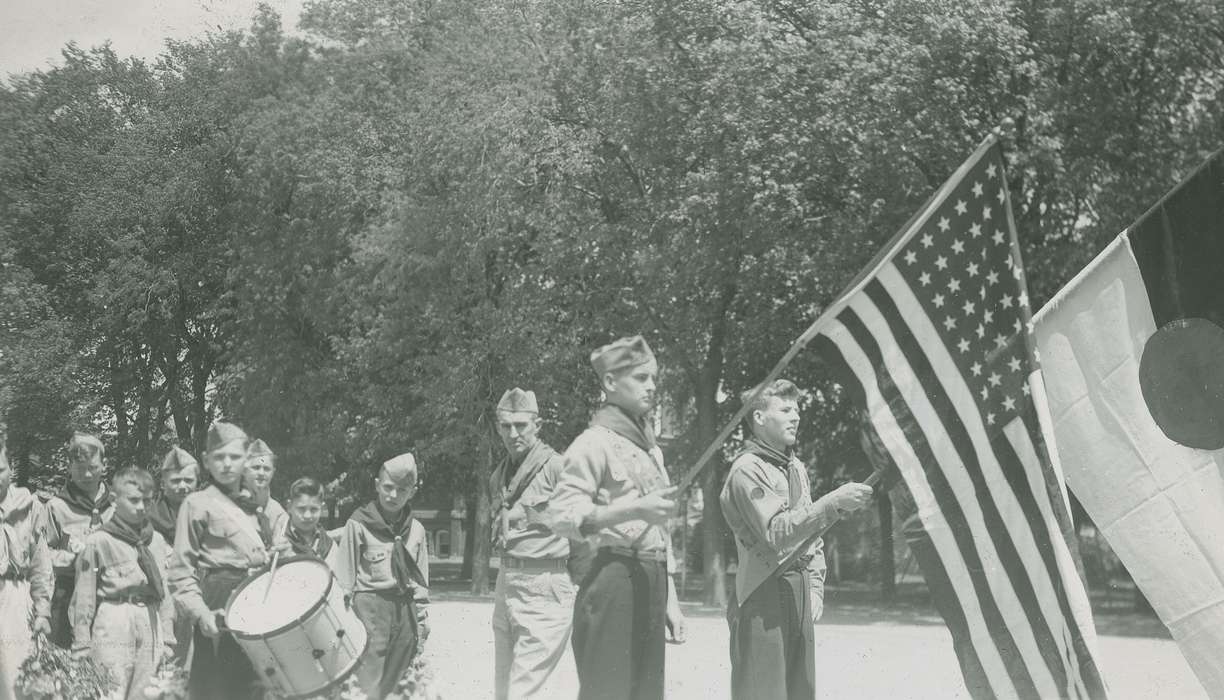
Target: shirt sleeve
pixel 346 558
pixel 166 610
pixel 574 500
pixel 57 540
pixel 40 562
pixel 817 570
pixel 766 515
pixel 182 576
pixel 85 596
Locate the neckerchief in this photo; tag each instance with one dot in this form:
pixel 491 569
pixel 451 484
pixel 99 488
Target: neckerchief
pixel 139 537
pixel 614 418
pixel 757 448
pixel 317 544
pixel 76 498
pixel 246 501
pixel 403 566
pixel 164 518
pixel 514 486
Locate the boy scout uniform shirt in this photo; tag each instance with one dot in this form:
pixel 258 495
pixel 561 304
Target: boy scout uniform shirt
pixel 363 563
pixel 108 569
pixel 67 526
pixel 603 468
pixel 213 532
pixel 517 525
pixel 755 493
pixel 23 549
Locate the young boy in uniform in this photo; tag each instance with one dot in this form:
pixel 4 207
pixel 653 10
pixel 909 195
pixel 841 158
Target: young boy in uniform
pixel 260 468
pixel 303 533
pixel 25 574
pixel 179 476
pixel 615 492
pixel 779 585
pixel 79 509
pixel 221 536
pixel 384 564
pixel 122 613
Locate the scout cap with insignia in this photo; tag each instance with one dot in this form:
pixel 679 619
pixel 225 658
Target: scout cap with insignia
pixel 621 354
pixel 517 400
pixel 401 468
pixel 221 434
pixel 258 452
pixel 178 459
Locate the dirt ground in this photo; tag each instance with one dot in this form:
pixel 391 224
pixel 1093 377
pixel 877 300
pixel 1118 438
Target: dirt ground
pixel 861 653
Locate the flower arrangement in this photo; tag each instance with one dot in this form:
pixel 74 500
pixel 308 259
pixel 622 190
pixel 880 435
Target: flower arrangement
pixel 52 673
pixel 169 683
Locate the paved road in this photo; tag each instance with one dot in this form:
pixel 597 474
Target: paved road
pixel 856 658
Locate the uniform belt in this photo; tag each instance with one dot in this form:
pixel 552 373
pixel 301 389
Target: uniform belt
pixel 639 554
pixel 132 599
pixel 800 564
pixel 14 575
pixel 517 563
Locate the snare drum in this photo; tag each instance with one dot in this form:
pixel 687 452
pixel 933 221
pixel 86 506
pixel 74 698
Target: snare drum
pixel 299 635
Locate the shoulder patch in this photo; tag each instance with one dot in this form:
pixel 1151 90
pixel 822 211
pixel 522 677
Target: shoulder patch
pixel 757 493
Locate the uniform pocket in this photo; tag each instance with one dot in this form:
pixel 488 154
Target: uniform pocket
pixel 377 559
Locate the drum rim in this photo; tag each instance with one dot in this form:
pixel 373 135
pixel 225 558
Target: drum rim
pixel 331 580
pixel 331 685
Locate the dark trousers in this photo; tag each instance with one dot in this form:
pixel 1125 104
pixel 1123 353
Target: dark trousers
pixel 390 619
pixel 220 670
pixel 619 618
pixel 61 602
pixel 772 644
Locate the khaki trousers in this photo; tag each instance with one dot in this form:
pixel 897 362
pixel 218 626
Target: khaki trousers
pixel 533 612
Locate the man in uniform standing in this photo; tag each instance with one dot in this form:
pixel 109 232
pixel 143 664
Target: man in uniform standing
pixel 615 491
pixel 534 598
pixel 779 583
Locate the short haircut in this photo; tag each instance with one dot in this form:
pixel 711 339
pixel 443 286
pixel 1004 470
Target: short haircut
pixel 305 487
pixel 83 447
pixel 133 475
pixel 783 389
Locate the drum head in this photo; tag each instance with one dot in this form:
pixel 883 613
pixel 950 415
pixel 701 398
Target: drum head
pixel 297 588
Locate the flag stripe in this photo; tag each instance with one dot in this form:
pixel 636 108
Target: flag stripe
pixel 1073 600
pixel 1026 522
pixel 956 493
pixel 982 497
pixel 997 673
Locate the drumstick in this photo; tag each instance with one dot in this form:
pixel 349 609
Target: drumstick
pixel 271 576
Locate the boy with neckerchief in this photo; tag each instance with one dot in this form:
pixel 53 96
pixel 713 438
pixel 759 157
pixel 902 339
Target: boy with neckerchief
pixel 179 476
pixel 302 529
pixel 79 509
pixel 383 563
pixel 615 492
pixel 122 614
pixel 223 535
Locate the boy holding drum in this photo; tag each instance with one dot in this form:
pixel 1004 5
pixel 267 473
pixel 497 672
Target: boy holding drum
pixel 221 536
pixel 122 614
pixel 384 564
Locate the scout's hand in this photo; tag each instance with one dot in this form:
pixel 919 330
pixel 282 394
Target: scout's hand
pixel 208 625
pixel 658 506
pixel 42 626
pixel 849 498
pixel 280 546
pixel 675 623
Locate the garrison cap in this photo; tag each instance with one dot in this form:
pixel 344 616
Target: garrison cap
pixel 178 459
pixel 517 400
pixel 86 445
pixel 401 467
pixel 221 434
pixel 258 452
pixel 621 354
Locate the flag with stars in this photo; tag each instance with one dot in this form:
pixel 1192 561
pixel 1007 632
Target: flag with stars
pixel 933 343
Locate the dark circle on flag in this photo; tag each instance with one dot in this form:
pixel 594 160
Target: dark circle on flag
pixel 1181 375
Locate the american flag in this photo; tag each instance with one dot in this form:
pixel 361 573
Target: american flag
pixel 933 341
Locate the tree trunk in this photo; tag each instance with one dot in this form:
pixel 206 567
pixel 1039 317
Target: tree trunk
pixel 482 531
pixel 713 527
pixel 888 563
pixel 469 539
